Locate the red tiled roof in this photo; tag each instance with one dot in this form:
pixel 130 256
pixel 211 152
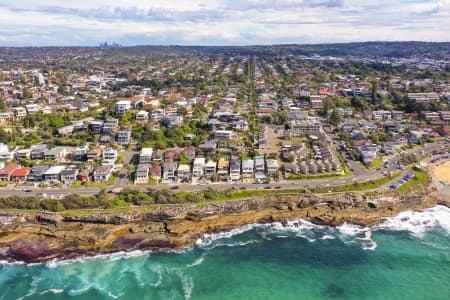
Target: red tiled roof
pixel 8 169
pixel 21 172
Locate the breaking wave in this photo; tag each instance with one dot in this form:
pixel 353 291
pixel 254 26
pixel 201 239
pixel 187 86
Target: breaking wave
pixel 415 224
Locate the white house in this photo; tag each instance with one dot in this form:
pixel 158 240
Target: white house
pixel 145 157
pixel 199 167
pixel 123 106
pixel 109 156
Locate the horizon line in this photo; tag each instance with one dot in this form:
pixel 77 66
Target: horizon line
pixel 224 45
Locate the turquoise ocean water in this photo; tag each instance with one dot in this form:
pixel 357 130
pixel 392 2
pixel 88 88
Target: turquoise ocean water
pixel 407 257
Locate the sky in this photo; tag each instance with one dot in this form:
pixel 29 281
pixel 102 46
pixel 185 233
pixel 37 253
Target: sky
pixel 220 22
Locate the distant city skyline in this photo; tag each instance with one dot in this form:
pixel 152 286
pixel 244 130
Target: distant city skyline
pixel 220 22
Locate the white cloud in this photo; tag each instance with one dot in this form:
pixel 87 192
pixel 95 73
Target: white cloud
pixel 84 22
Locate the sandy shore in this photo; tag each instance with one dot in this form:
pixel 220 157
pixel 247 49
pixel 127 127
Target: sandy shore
pixel 442 172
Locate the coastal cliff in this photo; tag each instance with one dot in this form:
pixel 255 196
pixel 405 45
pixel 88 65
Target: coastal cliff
pixel 39 237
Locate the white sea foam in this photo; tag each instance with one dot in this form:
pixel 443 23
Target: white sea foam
pixel 187 284
pixel 33 287
pixel 418 223
pixel 197 262
pixel 53 291
pixel 159 271
pixel 54 263
pixel 351 229
pixel 208 239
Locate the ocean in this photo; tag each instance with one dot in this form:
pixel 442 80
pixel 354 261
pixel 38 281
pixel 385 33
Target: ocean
pixel 406 257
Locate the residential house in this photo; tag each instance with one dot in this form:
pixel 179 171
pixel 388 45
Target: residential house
pixel 96 126
pixel 124 137
pixel 142 117
pixel 83 175
pixel 38 151
pixel 169 171
pixel 20 175
pixel 155 172
pixel 7 171
pixel 223 167
pixel 53 174
pixel 22 154
pixel 172 155
pixel 123 106
pixel 316 102
pixel 397 115
pixel 272 166
pixel 189 152
pixel 248 166
pixel 235 169
pixel 66 130
pixel 198 167
pixel 6 117
pixel 299 128
pixel 431 115
pixel 157 116
pixel 445 115
pixel 413 137
pixel 142 174
pixel 94 154
pixel 80 153
pixel 19 113
pixel 102 173
pixel 109 156
pixel 422 97
pixel 260 168
pixel 223 135
pixel 208 146
pixel 173 120
pixel 158 155
pixel 210 169
pixel 368 153
pixel 184 173
pixel 304 167
pixel 5 154
pixel 110 126
pixel 37 173
pixel 56 154
pixel 69 176
pixel 145 156
pixel 291 168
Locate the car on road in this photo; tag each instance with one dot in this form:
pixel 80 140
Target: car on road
pixel 278 187
pixel 174 187
pixel 27 191
pixel 242 188
pixel 267 187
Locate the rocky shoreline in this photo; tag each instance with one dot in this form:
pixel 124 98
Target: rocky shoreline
pixel 41 237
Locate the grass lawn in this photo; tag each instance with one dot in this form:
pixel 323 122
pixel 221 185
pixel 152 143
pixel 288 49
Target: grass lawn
pixel 111 182
pixel 77 185
pixel 242 194
pixel 375 164
pixel 357 186
pixel 320 176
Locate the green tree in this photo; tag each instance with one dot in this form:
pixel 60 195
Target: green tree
pixel 335 118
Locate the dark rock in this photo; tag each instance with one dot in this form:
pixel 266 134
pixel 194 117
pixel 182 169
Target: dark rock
pixel 371 204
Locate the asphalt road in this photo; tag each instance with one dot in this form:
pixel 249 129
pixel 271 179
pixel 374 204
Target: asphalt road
pixel 363 175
